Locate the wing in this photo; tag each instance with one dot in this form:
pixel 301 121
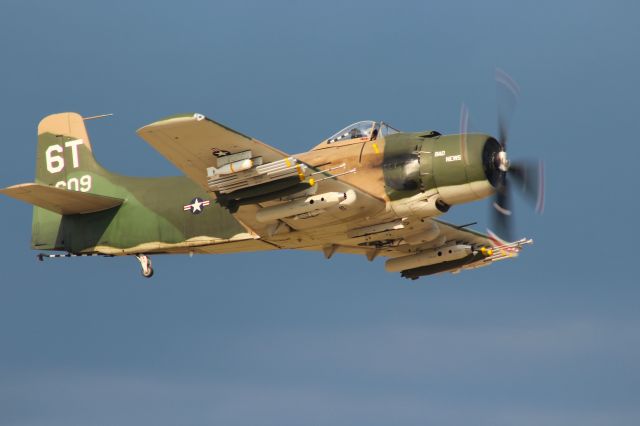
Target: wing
pixel 418 247
pixel 266 189
pixel 193 143
pixel 471 250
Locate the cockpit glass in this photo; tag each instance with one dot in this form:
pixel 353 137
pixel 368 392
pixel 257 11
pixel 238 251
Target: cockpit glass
pixel 359 130
pixel 363 130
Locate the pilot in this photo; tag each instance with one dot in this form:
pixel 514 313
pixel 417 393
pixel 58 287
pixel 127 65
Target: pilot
pixel 355 133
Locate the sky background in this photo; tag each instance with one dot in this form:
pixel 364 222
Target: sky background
pixel 288 338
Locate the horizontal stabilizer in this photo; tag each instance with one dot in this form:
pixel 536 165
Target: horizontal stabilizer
pixel 58 200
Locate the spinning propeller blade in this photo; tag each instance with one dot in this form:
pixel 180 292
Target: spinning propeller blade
pixel 528 176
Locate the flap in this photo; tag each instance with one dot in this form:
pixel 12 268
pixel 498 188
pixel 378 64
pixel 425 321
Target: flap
pixel 58 200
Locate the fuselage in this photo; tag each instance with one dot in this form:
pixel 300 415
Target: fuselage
pixel 416 174
pixel 404 175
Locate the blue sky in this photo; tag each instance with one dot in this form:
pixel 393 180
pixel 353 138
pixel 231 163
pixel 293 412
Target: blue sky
pixel 288 338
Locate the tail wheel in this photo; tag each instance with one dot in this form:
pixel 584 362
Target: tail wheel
pixel 145 265
pixel 148 273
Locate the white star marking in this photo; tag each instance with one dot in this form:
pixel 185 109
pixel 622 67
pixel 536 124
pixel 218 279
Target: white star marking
pixel 197 206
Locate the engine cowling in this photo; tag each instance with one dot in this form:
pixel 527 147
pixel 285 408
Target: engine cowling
pixel 426 172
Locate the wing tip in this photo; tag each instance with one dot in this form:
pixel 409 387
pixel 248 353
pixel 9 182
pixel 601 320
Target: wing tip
pixel 173 119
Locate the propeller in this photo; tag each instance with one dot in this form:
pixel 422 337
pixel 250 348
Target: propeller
pixel 526 176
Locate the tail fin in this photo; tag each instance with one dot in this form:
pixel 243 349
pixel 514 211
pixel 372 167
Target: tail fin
pixel 82 208
pixel 67 179
pixel 64 153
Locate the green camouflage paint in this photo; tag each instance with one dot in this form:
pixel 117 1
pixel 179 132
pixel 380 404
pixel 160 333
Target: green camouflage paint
pixel 153 210
pixel 423 161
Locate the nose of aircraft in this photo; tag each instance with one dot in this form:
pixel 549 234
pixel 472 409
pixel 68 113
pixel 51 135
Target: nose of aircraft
pixel 465 166
pixel 494 161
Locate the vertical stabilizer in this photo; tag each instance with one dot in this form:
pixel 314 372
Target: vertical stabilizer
pixel 64 153
pixel 64 160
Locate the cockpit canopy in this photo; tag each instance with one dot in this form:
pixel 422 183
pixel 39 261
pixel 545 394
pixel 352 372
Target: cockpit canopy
pixel 362 130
